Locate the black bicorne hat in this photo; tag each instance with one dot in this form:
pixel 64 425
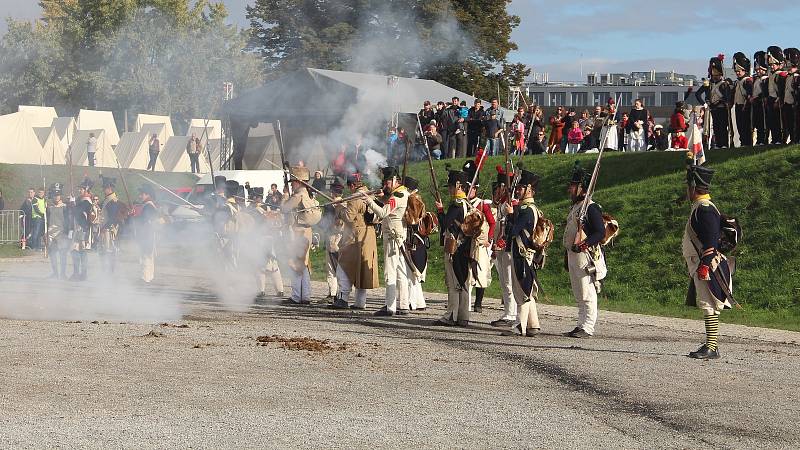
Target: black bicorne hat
pixel 775 55
pixel 792 56
pixel 390 172
pixel 699 176
pixel 410 183
pixel 529 178
pixel 741 61
pixel 456 176
pixel 760 60
pixel 580 176
pixel 231 188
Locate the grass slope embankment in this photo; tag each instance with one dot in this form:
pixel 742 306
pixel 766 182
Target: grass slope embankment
pixel 644 193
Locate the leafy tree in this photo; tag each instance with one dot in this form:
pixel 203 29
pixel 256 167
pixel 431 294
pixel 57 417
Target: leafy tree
pixel 462 43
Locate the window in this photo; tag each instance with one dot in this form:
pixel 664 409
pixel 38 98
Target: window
pixel 648 98
pixel 601 98
pixel 669 98
pixel 537 98
pixel 625 98
pixel 579 99
pixel 558 98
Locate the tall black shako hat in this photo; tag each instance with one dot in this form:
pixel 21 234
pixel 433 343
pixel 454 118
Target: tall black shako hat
pixel 715 66
pixel 699 176
pixel 256 193
pixel 219 182
pixel 792 56
pixel 231 188
pixel 389 172
pixel 741 62
pixel 410 183
pixel 760 60
pixel 470 169
pixel 580 176
pixel 455 177
pixel 526 178
pixel 775 55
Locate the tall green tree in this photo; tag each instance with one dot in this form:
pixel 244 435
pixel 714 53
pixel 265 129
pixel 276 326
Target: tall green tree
pixel 462 43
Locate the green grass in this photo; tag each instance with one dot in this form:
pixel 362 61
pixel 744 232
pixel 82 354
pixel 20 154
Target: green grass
pixel 643 192
pixel 12 251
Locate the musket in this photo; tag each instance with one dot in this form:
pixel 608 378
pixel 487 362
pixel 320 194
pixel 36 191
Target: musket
pixel 287 173
pixel 342 200
pixel 436 194
pixel 162 187
pixel 283 156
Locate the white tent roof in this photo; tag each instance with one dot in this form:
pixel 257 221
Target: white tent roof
pixel 65 128
pixel 143 119
pixel 133 151
pixel 52 149
pixel 174 156
pixel 104 156
pixel 214 127
pixel 261 146
pixel 18 141
pixel 39 116
pixel 89 119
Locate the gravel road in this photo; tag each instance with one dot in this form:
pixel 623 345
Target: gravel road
pixel 127 366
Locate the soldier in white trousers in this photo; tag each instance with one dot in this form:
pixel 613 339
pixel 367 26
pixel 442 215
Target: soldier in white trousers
pixel 501 252
pixel 393 232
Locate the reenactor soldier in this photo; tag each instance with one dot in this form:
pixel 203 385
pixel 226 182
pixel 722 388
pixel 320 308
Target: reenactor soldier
pixel 742 93
pixel 112 213
pixel 790 100
pixel 457 246
pixel 146 229
pixel 776 86
pixel 333 228
pixel 522 221
pixel 419 225
pixel 357 267
pixel 585 260
pixel 481 245
pixel 393 232
pixel 717 94
pixel 58 228
pixel 302 215
pixel 759 96
pixel 500 248
pixel 708 268
pixel 260 228
pixel 225 220
pixel 83 214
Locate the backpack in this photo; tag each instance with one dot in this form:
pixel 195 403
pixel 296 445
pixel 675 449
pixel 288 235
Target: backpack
pixel 542 238
pixel 612 229
pixel 414 210
pixel 730 233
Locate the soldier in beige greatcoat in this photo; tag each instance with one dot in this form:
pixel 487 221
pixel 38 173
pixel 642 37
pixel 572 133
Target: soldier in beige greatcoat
pixel 302 216
pixel 358 250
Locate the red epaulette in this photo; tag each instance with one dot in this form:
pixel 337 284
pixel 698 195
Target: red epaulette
pixel 783 73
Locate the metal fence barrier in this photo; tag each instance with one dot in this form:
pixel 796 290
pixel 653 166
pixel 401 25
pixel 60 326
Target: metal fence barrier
pixel 12 224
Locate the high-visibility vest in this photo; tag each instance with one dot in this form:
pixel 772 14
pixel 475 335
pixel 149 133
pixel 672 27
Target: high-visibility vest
pixel 40 204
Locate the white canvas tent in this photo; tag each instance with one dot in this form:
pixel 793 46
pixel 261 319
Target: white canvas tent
pixel 89 119
pixel 144 119
pixel 214 127
pixel 65 128
pixel 174 157
pixel 261 146
pixel 18 141
pixel 104 157
pixel 52 149
pixel 39 116
pixel 133 151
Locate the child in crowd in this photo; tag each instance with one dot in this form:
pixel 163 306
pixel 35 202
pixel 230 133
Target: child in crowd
pixel 574 137
pixel 463 113
pixel 679 141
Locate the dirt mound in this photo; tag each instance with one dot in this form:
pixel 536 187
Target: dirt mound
pixel 301 343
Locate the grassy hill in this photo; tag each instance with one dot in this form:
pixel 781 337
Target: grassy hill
pixel 643 191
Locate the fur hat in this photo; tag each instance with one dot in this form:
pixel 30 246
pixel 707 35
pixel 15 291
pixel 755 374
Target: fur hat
pixel 715 65
pixel 741 62
pixel 760 60
pixel 219 182
pixel 256 193
pixel 775 55
pixel 699 176
pixel 231 188
pixel 531 178
pixel 792 56
pixel 456 177
pixel 470 169
pixel 300 173
pixel 580 176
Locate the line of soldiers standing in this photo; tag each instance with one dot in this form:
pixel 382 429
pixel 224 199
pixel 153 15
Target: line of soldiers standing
pixel 765 103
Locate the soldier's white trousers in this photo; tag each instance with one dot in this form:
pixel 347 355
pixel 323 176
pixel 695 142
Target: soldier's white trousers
pixel 345 286
pixel 503 265
pixel 301 286
pixel 148 263
pixel 331 264
pixel 274 275
pixel 395 272
pixel 457 298
pixel 416 297
pixel 528 313
pixel 583 289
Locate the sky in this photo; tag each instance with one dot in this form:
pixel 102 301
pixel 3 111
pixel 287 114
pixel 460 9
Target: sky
pixel 569 38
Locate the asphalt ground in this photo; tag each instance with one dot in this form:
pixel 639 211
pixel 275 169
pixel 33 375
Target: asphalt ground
pixel 109 363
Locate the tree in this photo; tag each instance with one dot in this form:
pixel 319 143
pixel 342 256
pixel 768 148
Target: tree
pixel 461 43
